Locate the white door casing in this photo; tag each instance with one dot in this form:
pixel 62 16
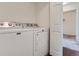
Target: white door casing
pixel 56 29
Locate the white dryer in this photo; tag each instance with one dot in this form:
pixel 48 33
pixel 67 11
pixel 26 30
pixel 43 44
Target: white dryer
pixel 40 41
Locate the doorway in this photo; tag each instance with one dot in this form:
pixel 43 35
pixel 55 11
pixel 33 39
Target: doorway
pixel 69 25
pixel 71 48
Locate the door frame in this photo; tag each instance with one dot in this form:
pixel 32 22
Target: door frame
pixel 56 44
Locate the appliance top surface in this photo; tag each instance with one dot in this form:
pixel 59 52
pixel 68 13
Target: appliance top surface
pixel 6 30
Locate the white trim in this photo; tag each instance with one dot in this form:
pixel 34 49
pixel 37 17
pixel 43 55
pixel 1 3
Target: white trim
pixel 65 3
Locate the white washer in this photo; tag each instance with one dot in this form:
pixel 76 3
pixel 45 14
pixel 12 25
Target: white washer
pixel 40 41
pixel 16 42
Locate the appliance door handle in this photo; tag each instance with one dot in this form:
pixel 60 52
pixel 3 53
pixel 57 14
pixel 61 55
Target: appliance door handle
pixel 19 33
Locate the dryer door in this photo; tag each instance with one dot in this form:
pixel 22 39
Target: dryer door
pixel 41 44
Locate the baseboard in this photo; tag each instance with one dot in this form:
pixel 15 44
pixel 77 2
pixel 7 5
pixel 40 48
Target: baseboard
pixel 69 36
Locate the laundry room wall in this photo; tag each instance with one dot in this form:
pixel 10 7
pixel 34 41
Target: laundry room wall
pixel 33 12
pixel 42 14
pixel 19 12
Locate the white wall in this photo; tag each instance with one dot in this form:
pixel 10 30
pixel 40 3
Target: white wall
pixel 34 12
pixel 19 12
pixel 70 22
pixel 26 12
pixel 42 13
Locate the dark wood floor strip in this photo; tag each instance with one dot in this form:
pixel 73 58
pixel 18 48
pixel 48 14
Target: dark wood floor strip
pixel 72 37
pixel 69 52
